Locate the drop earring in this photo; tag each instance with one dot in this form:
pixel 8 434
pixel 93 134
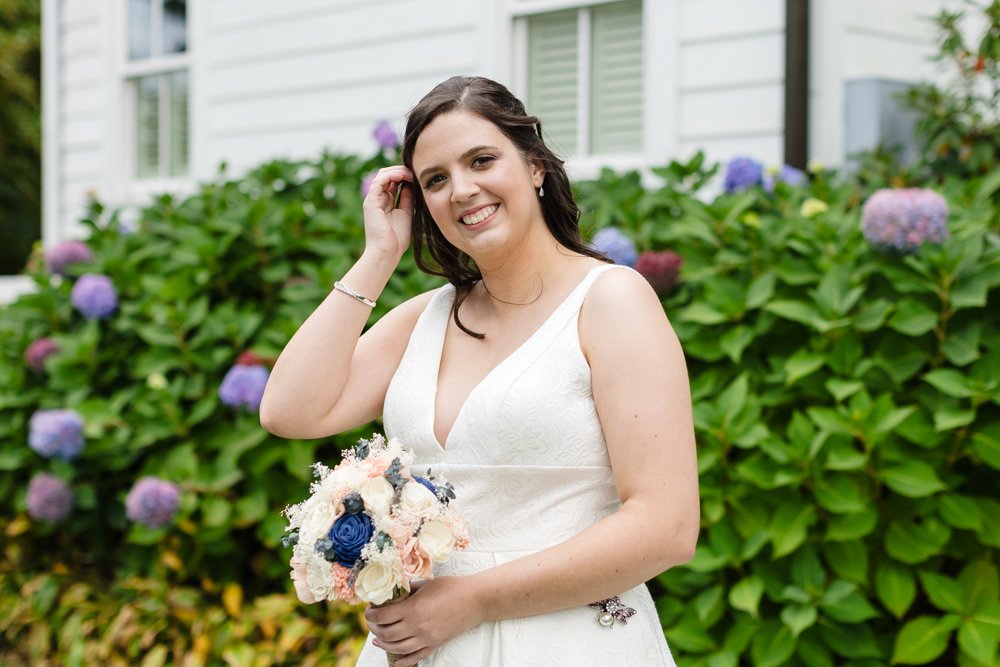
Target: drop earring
pixel 541 190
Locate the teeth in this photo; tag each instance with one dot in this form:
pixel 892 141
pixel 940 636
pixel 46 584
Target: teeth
pixel 479 215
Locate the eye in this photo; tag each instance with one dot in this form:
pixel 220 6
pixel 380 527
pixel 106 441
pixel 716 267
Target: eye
pixel 432 181
pixel 482 160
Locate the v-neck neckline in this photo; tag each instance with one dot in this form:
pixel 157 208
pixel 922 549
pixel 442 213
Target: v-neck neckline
pixel 443 332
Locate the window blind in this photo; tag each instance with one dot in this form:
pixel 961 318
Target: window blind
pixel 616 103
pixel 552 77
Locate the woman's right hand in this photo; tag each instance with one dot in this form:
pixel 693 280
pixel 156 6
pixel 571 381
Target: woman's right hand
pixel 387 226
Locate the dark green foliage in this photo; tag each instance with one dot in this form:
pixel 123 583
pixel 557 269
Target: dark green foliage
pixel 20 131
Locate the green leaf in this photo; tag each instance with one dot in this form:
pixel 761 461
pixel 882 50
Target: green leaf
pixel 850 526
pixel 841 389
pixel 773 645
pixel 849 560
pixel 788 527
pixel 797 311
pixel 702 313
pixel 799 617
pixel 760 290
pixel 735 341
pixel 813 653
pixel 840 494
pixel 913 479
pixel 923 639
pixel 960 511
pixel 913 318
pixel 850 641
pixel 872 315
pixel 986 444
pixel 745 595
pixel 691 636
pixel 895 587
pixel 944 593
pixel 910 542
pixel 950 382
pixel 979 585
pixel 215 511
pixel 947 418
pixel 801 364
pixel 978 639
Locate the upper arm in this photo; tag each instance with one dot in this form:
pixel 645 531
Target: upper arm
pixel 643 397
pixel 375 360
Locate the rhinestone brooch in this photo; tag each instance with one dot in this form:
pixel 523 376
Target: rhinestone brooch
pixel 611 610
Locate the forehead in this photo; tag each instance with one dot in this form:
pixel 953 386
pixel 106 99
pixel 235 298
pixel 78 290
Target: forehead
pixel 451 134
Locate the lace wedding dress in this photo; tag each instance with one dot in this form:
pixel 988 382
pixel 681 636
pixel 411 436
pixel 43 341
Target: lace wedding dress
pixel 530 468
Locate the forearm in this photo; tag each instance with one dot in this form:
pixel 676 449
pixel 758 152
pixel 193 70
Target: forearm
pixel 618 553
pixel 310 374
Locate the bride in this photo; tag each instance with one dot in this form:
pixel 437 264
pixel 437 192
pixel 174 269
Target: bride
pixel 543 381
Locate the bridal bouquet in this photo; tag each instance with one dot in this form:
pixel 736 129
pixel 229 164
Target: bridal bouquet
pixel 370 526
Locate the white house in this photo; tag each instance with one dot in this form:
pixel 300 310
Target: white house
pixel 141 96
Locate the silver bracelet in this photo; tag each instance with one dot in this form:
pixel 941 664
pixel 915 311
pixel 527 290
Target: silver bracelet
pixel 348 291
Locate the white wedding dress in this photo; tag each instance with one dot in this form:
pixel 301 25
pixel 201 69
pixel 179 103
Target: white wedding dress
pixel 530 468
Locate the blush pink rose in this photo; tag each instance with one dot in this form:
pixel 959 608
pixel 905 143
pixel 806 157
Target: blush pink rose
pixel 416 562
pixel 299 581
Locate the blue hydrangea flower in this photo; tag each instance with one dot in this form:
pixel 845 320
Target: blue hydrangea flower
pixel 742 173
pixel 95 296
pixel 152 502
pixel 386 135
pixel 49 498
pixel 56 433
pixel 426 483
pixel 901 220
pixel 243 386
pixel 61 256
pixel 788 175
pixel 615 246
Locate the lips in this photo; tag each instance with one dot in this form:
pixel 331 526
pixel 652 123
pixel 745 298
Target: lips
pixel 479 215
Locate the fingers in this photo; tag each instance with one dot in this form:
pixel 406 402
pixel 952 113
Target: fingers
pixel 382 191
pixel 406 198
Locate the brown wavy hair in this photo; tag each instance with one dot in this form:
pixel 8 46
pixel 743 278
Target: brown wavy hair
pixel 493 102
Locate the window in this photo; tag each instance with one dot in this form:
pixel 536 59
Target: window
pixel 156 74
pixel 584 77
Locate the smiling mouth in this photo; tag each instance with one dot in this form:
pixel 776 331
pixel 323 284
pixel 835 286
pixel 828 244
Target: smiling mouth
pixel 480 215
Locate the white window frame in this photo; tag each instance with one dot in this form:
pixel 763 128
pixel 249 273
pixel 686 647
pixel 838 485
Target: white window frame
pixel 659 44
pixel 129 188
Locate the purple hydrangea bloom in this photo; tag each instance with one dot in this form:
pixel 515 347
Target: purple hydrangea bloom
pixel 60 256
pixel 615 246
pixel 661 269
pixel 95 296
pixel 243 386
pixel 742 173
pixel 152 502
pixel 39 350
pixel 788 175
pixel 57 433
pixel 386 135
pixel 49 498
pixel 901 220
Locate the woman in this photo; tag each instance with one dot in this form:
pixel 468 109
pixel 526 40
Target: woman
pixel 545 383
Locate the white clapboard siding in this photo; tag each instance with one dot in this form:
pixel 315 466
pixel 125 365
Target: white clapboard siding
pixel 76 12
pixel 731 79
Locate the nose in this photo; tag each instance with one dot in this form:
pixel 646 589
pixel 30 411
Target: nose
pixel 463 188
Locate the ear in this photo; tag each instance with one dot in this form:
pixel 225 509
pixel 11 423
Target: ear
pixel 537 173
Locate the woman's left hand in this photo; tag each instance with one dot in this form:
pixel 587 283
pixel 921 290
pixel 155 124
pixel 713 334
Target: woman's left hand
pixel 437 610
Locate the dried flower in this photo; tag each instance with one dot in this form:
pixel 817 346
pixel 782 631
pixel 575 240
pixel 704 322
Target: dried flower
pixel 243 386
pixel 56 433
pixel 62 255
pixel 38 351
pixel 94 296
pixel 152 502
pixel 901 220
pixel 812 207
pixel 49 498
pixel 661 269
pixel 386 135
pixel 742 173
pixel 617 247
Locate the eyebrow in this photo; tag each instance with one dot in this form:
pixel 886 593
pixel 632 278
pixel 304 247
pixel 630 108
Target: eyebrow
pixel 463 156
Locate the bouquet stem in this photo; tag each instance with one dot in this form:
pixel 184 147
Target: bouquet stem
pixel 399 596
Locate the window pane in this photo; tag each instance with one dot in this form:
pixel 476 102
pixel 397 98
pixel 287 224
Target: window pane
pixel 179 123
pixel 174 26
pixel 147 134
pixel 140 30
pixel 616 78
pixel 552 80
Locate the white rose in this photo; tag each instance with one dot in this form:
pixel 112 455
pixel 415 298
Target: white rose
pixel 377 493
pixel 436 540
pixel 375 583
pixel 417 499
